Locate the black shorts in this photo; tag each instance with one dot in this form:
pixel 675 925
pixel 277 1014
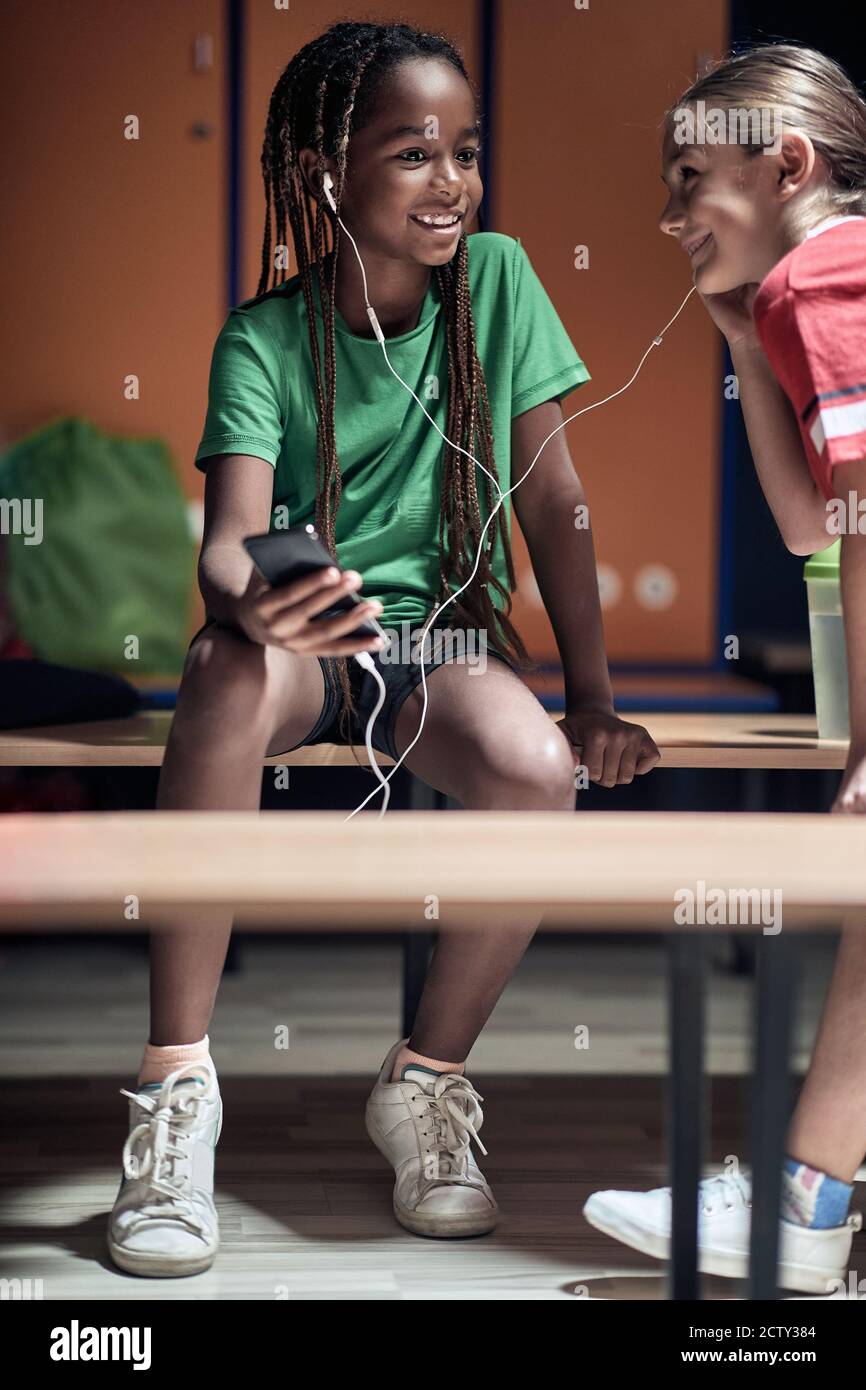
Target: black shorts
pixel 400 677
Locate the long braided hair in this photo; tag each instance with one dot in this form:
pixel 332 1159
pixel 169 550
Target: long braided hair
pixel 328 91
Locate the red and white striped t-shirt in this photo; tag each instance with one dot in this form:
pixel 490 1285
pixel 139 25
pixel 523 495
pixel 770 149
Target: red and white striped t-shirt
pixel 810 315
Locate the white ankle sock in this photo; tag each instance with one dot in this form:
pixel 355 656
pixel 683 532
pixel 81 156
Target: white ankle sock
pixel 159 1062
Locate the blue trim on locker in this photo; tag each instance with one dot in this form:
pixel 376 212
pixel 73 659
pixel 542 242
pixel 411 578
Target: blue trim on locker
pixel 766 702
pixel 234 74
pixel 489 19
pixel 727 519
pixel 727 479
pixel 761 702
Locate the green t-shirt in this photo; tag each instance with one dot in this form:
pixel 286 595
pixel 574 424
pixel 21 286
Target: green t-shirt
pixel 262 401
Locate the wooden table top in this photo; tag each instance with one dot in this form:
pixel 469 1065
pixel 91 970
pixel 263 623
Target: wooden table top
pixel 414 870
pixel 685 740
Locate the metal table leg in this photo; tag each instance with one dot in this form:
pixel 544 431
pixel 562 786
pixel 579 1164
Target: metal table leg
pixel 685 1106
pixel 771 1098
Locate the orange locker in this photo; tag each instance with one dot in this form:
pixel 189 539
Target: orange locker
pixel 579 97
pixel 116 257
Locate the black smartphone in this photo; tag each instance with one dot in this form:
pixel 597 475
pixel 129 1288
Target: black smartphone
pixel 283 556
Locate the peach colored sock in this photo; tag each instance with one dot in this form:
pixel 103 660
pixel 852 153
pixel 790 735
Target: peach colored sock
pixel 405 1057
pixel 159 1062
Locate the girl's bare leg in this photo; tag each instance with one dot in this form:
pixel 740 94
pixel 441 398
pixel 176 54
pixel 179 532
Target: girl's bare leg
pixel 488 743
pixel 828 1128
pixel 238 702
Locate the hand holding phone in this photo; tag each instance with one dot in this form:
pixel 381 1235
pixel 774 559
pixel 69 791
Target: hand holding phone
pixel 311 605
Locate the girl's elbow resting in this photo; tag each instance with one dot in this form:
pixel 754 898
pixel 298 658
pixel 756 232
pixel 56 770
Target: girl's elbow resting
pixel 808 542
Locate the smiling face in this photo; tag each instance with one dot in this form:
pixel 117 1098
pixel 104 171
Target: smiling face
pixel 726 209
pixel 418 157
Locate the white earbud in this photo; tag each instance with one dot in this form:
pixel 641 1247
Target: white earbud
pixel 328 184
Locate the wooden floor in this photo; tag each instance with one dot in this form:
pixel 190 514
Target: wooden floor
pixel 80 1007
pixel 304 1198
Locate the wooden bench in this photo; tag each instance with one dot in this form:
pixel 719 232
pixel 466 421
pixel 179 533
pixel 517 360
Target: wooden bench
pixel 620 869
pixel 685 740
pixel 605 868
pixel 754 740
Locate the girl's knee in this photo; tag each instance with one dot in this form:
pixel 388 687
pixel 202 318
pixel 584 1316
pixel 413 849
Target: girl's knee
pixel 549 770
pixel 537 770
pixel 224 666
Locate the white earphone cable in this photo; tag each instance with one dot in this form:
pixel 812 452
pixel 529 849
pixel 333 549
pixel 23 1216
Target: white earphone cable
pixel 369 664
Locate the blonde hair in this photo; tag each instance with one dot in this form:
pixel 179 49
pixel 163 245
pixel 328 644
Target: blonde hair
pixel 805 89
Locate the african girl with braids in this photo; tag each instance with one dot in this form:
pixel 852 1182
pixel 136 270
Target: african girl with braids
pixel 306 422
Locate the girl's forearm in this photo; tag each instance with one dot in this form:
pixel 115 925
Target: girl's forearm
pixel 780 461
pixel 225 573
pixel 563 559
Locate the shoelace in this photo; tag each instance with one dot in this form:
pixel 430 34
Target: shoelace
pixel 152 1148
pixel 729 1189
pixel 725 1186
pixel 454 1109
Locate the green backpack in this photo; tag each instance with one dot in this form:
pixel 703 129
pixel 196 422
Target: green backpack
pixel 100 555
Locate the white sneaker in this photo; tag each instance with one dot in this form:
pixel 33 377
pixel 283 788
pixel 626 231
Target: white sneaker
pixel 164 1222
pixel 423 1126
pixel 808 1259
